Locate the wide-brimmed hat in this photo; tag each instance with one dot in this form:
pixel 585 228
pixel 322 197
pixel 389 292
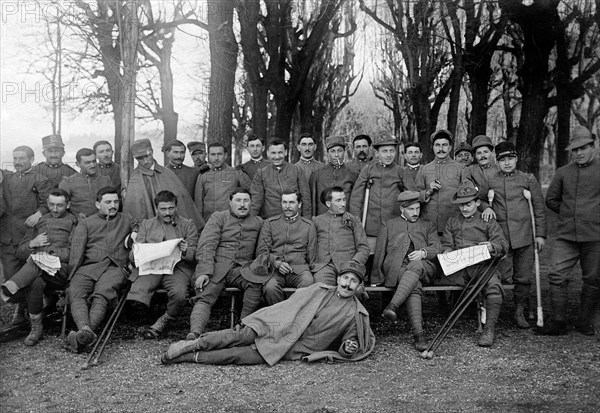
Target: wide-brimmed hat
pixel 256 271
pixel 580 136
pixel 384 139
pixel 463 146
pixel 408 198
pixel 441 134
pixel 355 268
pixel 482 140
pixel 504 149
pixel 141 147
pixel 467 192
pixel 196 146
pixel 333 141
pixel 52 141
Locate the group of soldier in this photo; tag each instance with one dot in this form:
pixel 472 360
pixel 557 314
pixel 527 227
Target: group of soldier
pixel 269 224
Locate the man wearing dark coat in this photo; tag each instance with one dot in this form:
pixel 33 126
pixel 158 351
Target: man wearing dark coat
pixel 147 180
pixel 25 193
pixel 106 166
pixel 413 153
pixel 334 173
pixel 225 250
pixel 53 168
pixel 166 225
pixel 83 186
pixel 340 238
pixel 361 145
pixel 255 146
pixel 198 153
pixel 328 323
pixel 405 256
pixel 97 260
pixel 175 153
pixel 485 167
pixel 307 145
pixel 574 194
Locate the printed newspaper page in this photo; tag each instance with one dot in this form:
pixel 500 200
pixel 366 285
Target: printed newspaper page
pixel 454 261
pixel 46 262
pixel 157 258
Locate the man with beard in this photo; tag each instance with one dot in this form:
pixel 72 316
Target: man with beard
pixel 225 249
pixel 329 324
pixel 51 235
pixel 53 168
pixel 96 266
pixel 438 181
pixel 340 237
pixel 277 177
pixel 213 187
pixel 255 146
pixel 574 194
pixel 405 256
pixel 147 180
pixel 361 144
pixel 290 242
pixel 166 225
pixel 25 193
pixel 335 173
pixel 485 168
pixel 198 153
pixel 106 166
pixel 307 146
pixel 413 153
pixel 83 187
pixel 175 153
pixel 464 154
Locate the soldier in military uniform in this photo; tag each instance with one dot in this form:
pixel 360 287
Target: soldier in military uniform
pixel 255 146
pixel 53 168
pixel 464 154
pixel 413 153
pixel 175 153
pixel 198 153
pixel 361 146
pixel 106 166
pixel 307 145
pixel 485 167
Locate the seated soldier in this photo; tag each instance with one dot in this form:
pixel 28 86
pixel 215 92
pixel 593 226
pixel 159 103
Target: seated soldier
pixel 469 230
pixel 51 235
pixel 329 323
pixel 97 266
pixel 340 237
pixel 226 245
pixel 404 258
pixel 166 225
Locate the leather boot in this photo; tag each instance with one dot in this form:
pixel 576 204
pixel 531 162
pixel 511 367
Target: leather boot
pixel 199 318
pixel 559 296
pixel 19 315
pixel 492 310
pixel 419 342
pixel 390 314
pixel 520 317
pixel 37 329
pixel 589 302
pixel 86 336
pixel 415 317
pixel 156 329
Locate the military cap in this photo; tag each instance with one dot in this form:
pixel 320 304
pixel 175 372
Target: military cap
pixel 482 140
pixel 196 146
pixel 256 271
pixel 52 141
pixel 354 267
pixel 384 139
pixel 467 191
pixel 463 146
pixel 141 147
pixel 504 149
pixel 333 141
pixel 580 136
pixel 408 198
pixel 441 134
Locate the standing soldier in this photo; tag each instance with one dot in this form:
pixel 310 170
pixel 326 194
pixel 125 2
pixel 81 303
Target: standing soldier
pixel 53 168
pixel 438 181
pixel 361 145
pixel 106 165
pixel 198 153
pixel 147 180
pixel 213 187
pixel 255 146
pixel 25 193
pixel 385 179
pixel 413 153
pixel 272 181
pixel 485 168
pixel 225 248
pixel 511 209
pixel 166 225
pixel 51 235
pixel 96 266
pixel 290 242
pixel 175 153
pixel 307 146
pixel 574 194
pixel 464 154
pixel 340 237
pixel 335 173
pixel 83 187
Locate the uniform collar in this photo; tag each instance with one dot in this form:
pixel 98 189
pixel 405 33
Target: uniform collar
pixel 442 161
pixel 292 219
pixel 504 174
pixel 488 166
pixel 331 214
pixel 413 167
pixel 257 161
pixel 384 165
pixel 336 166
pixel 585 165
pixel 103 166
pixel 307 161
pixel 173 166
pixel 53 166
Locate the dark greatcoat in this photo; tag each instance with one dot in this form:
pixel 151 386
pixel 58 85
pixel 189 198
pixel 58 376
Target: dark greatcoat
pixel 83 189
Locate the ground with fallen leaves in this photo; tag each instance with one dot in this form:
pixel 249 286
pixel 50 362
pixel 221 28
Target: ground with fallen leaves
pixel 522 372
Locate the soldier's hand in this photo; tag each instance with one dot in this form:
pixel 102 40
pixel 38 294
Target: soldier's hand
pixel 81 215
pixel 183 245
pixel 435 186
pixel 33 219
pixel 350 346
pixel 487 214
pixel 283 267
pixel 40 241
pixel 416 255
pixel 488 245
pixel 201 282
pixel 539 243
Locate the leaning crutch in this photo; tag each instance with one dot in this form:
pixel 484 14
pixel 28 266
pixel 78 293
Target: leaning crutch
pixel 470 293
pixel 366 203
pixel 538 287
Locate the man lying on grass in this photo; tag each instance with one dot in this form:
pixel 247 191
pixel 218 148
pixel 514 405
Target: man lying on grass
pixel 319 322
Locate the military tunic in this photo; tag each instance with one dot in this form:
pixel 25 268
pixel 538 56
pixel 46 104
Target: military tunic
pixel 187 175
pixel 113 171
pixel 309 166
pixel 214 187
pixel 252 166
pixel 327 177
pixel 54 173
pixel 82 189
